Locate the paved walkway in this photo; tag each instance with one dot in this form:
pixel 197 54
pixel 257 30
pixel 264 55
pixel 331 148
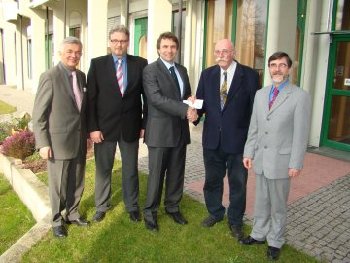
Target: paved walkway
pixel 319 201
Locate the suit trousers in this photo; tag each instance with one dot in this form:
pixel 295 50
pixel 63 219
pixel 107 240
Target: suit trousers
pixel 168 163
pixel 104 160
pixel 66 187
pixel 216 163
pixel 270 211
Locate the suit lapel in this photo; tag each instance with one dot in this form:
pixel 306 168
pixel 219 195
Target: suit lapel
pixel 170 79
pixel 67 85
pixel 236 83
pixel 281 98
pixel 111 73
pixel 215 86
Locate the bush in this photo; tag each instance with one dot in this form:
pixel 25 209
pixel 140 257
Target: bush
pixel 20 145
pixel 5 130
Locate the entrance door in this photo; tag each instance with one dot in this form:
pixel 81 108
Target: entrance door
pixel 336 122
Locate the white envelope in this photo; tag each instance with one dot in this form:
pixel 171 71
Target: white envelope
pixel 198 104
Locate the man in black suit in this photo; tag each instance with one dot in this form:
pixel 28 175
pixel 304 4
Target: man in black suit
pixel 167 133
pixel 228 91
pixel 116 115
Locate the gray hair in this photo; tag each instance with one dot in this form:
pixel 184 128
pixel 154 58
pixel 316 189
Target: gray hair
pixel 70 40
pixel 120 29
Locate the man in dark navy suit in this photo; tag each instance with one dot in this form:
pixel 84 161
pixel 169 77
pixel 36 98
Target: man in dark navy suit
pixel 228 91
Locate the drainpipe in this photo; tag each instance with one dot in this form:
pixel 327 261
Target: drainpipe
pixel 21 47
pixel 47 38
pixel 64 18
pixel 179 28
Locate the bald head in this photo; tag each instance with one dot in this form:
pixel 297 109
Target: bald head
pixel 224 53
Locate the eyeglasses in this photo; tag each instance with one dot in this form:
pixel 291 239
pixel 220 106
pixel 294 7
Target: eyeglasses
pixel 116 41
pixel 224 52
pixel 280 66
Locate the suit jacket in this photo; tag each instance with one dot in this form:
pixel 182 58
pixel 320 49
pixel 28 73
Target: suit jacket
pixel 167 123
pixel 230 125
pixel 277 138
pixel 57 121
pixel 109 111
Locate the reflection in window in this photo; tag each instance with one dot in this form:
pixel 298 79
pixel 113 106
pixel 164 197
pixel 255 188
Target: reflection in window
pixel 339 126
pixel 343 15
pixel 219 18
pixel 250 33
pixel 250 30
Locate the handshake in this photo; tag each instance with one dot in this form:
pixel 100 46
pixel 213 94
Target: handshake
pixel 192 115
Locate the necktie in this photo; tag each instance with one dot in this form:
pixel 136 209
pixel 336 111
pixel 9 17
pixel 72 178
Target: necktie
pixel 173 74
pixel 120 76
pixel 76 90
pixel 274 96
pixel 223 91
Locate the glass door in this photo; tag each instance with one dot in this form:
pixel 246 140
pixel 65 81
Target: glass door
pixel 336 122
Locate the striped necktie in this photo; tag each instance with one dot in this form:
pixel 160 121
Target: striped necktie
pixel 120 76
pixel 274 96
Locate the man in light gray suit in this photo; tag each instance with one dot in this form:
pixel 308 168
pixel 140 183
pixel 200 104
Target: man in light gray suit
pixel 275 148
pixel 60 134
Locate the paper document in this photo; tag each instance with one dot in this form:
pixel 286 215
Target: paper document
pixel 198 104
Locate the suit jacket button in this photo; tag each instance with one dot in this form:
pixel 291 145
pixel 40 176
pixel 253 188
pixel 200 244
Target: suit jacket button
pixel 266 132
pixel 267 118
pixel 265 147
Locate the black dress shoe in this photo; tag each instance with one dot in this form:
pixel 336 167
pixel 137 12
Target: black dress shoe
pixel 135 216
pixel 151 225
pixel 236 232
pixel 178 218
pixel 273 253
pixel 79 222
pixel 59 231
pixel 251 241
pixel 210 221
pixel 99 216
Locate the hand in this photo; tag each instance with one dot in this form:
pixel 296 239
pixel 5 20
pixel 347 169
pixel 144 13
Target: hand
pixel 96 136
pixel 247 162
pixel 192 99
pixel 192 114
pixel 293 172
pixel 142 133
pixel 45 152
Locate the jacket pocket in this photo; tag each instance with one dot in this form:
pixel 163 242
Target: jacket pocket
pixel 285 150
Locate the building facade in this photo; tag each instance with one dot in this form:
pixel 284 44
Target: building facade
pixel 316 34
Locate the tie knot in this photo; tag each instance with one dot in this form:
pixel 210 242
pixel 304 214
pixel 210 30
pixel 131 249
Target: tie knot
pixel 120 61
pixel 172 69
pixel 275 91
pixel 74 73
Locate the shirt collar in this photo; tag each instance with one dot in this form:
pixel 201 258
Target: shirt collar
pixel 115 58
pixel 167 64
pixel 230 69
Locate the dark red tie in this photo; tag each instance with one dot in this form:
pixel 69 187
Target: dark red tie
pixel 274 96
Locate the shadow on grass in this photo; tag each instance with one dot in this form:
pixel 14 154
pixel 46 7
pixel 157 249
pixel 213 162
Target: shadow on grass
pixel 117 239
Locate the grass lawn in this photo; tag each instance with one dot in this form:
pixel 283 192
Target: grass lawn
pixel 6 108
pixel 15 218
pixel 117 239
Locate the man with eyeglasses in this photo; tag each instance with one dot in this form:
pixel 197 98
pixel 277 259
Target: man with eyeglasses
pixel 117 113
pixel 59 124
pixel 228 91
pixel 275 148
